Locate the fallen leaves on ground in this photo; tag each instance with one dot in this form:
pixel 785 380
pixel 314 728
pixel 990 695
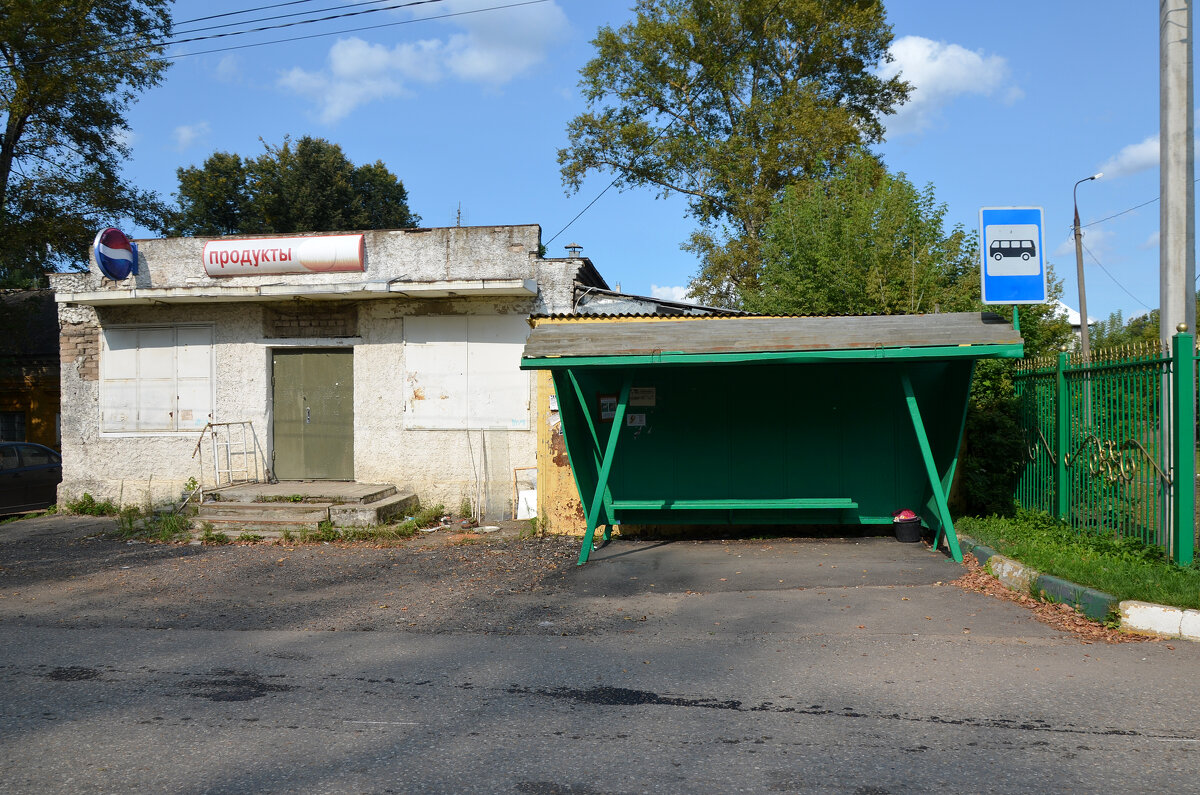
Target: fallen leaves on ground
pixel 1060 616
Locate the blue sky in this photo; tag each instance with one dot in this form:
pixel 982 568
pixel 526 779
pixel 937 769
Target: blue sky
pixel 1014 102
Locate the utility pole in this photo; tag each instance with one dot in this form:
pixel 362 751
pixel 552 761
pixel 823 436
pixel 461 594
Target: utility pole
pixel 1085 344
pixel 1177 255
pixel 1177 224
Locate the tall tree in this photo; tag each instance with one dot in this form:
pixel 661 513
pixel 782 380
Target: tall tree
pixel 866 241
pixel 310 186
pixel 727 102
pixel 67 72
pixel 862 241
pixel 214 199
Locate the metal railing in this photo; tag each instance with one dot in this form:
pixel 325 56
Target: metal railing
pixel 1101 446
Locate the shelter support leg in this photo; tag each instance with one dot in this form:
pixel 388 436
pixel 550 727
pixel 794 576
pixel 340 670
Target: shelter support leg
pixel 948 481
pixel 593 515
pixel 935 481
pixel 597 450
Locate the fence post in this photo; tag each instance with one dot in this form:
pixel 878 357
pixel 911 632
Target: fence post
pixel 1183 465
pixel 1062 437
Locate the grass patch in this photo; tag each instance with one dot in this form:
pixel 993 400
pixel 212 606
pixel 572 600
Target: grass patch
pixel 19 516
pixel 213 538
pixel 246 537
pixel 1127 568
pixel 325 532
pixel 530 530
pixel 133 523
pixel 383 532
pixel 427 517
pixel 87 506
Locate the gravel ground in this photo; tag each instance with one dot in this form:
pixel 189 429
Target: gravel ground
pixel 68 571
pixel 71 572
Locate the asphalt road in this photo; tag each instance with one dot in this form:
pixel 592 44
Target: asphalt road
pixel 771 666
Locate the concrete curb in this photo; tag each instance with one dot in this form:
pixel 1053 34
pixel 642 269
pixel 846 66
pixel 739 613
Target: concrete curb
pixel 1144 617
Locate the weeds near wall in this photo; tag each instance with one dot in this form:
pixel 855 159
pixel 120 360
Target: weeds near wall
pixel 87 506
pixel 213 538
pixel 137 524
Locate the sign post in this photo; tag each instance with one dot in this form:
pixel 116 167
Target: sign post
pixel 1013 268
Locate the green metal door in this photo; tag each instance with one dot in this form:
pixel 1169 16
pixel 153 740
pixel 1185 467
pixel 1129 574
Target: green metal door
pixel 313 428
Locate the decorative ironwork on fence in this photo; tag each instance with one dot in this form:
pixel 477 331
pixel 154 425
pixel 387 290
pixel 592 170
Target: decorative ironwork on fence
pixel 1100 443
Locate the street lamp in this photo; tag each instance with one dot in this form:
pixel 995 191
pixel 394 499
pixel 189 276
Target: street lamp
pixel 1085 343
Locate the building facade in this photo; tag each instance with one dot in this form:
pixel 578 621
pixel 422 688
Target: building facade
pixel 388 356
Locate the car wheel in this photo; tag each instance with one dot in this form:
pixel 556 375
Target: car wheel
pixel 997 256
pixel 1025 256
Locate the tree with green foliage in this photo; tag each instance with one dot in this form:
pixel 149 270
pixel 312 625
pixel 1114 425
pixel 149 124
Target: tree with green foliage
pixel 1114 331
pixel 214 199
pixel 67 73
pixel 865 241
pixel 310 186
pixel 727 102
pixel 862 241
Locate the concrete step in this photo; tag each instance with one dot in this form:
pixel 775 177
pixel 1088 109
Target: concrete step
pixel 262 515
pixel 378 511
pixel 334 491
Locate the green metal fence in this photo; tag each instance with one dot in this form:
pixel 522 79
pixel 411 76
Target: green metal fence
pixel 1102 449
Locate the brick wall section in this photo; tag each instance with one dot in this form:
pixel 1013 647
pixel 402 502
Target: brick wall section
pixel 310 320
pixel 80 344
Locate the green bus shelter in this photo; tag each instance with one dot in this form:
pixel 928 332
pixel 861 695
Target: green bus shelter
pixel 755 420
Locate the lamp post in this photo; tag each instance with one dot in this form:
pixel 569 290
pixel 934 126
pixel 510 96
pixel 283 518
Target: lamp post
pixel 1085 345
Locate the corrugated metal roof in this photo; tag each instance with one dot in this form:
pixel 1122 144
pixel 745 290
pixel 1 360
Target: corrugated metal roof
pixel 589 336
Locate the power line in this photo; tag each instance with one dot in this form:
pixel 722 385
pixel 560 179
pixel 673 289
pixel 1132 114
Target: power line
pixel 244 11
pixel 1114 278
pixel 346 30
pixel 176 32
pixel 151 45
pixel 1123 212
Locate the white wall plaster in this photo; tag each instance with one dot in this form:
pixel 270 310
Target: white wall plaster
pixel 440 465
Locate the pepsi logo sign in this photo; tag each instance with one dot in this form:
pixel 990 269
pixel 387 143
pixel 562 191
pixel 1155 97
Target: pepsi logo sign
pixel 115 255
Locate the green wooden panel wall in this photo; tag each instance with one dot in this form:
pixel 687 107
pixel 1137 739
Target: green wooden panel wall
pixel 836 430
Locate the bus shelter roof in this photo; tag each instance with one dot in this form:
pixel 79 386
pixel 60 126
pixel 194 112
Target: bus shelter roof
pixel 596 341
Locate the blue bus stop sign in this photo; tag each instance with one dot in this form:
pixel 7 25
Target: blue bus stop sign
pixel 1014 270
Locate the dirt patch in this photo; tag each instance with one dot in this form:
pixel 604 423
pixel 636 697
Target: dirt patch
pixel 1060 616
pixel 65 572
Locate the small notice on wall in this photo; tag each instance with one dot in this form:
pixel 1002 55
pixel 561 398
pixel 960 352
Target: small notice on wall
pixel 635 420
pixel 643 396
pixel 608 407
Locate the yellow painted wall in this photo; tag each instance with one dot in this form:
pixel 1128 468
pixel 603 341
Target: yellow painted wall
pixel 559 508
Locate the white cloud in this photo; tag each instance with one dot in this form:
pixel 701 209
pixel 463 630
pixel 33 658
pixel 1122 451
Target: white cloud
pixel 492 49
pixel 360 72
pixel 670 293
pixel 1151 242
pixel 229 69
pixel 938 73
pixel 188 134
pixel 1133 158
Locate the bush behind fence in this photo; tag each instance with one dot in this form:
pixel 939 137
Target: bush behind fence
pixel 1099 447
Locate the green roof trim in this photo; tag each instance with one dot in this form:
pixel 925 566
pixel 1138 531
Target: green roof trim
pixel 1004 351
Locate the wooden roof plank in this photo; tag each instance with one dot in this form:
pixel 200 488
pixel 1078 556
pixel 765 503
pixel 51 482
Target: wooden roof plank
pixel 752 334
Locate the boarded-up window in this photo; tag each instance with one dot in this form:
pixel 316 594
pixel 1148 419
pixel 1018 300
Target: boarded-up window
pixel 156 379
pixel 464 372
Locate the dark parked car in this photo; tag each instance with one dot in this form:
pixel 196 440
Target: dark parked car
pixel 29 477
